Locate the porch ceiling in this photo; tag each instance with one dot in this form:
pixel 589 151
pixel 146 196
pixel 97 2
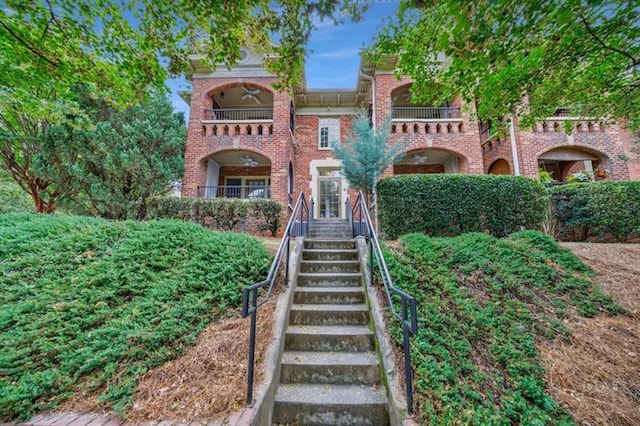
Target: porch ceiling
pixel 244 96
pixel 567 154
pixel 433 156
pixel 239 159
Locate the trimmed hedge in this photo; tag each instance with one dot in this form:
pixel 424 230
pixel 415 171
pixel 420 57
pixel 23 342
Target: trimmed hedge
pixel 447 205
pixel 601 210
pixel 219 213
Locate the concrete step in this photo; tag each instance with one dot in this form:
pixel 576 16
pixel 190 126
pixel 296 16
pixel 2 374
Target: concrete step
pixel 342 279
pixel 319 404
pixel 329 254
pixel 330 266
pixel 343 338
pixel 342 368
pixel 329 295
pixel 318 243
pixel 331 234
pixel 306 314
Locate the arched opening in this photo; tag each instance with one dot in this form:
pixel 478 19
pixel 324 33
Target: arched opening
pixel 428 160
pixel 500 167
pixel 240 102
pixel 290 177
pixel 237 174
pixel 564 161
pixel 403 107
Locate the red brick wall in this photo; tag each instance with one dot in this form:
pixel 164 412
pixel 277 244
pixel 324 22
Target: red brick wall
pixel 497 149
pixel 306 135
pixel 202 141
pixel 631 146
pixel 605 140
pixel 459 138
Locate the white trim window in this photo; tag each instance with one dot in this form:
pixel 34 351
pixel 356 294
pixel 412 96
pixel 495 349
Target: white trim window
pixel 328 132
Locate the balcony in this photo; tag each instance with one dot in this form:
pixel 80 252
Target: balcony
pixel 424 113
pixel 238 115
pixel 562 112
pixel 250 192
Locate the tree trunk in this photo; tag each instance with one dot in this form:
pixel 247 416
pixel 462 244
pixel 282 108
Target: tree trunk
pixel 39 202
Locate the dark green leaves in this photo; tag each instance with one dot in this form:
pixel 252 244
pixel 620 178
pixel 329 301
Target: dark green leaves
pixel 596 210
pixel 525 57
pixel 454 204
pixel 482 304
pixel 91 305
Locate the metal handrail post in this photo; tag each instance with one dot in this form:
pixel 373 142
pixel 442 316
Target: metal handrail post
pixel 408 314
pixel 250 302
pixel 252 346
pixel 286 266
pixel 407 357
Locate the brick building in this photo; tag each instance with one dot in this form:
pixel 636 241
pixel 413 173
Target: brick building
pixel 247 140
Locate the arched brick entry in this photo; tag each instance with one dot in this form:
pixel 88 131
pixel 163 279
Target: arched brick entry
pixel 429 160
pixel 500 167
pixel 236 174
pixel 562 161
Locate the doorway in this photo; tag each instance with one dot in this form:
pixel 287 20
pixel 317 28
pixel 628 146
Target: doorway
pixel 329 191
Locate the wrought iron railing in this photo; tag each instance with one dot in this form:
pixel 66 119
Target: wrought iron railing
pixel 235 191
pixel 250 304
pixel 245 114
pixel 424 113
pixel 487 133
pixel 562 112
pixel 362 225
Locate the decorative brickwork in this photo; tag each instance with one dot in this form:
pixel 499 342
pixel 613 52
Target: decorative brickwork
pixel 605 142
pixel 439 140
pixel 495 150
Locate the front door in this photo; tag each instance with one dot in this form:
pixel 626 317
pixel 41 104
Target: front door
pixel 329 190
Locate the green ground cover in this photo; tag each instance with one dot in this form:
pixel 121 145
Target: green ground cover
pixel 482 303
pixel 92 304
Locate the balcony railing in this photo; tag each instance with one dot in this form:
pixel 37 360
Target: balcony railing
pixel 247 114
pixel 562 112
pixel 424 113
pixel 234 191
pixel 486 133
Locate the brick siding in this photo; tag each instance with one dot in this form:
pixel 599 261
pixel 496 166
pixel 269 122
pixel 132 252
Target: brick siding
pixel 611 142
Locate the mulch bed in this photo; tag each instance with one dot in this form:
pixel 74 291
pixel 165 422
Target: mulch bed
pixel 596 371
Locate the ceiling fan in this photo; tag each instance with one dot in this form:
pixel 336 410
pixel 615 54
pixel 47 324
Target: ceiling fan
pixel 251 94
pixel 419 159
pixel 247 161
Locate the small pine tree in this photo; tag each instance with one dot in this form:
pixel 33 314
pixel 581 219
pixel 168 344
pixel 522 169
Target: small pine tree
pixel 366 154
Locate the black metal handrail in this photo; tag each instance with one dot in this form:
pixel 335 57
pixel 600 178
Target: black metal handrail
pixel 424 113
pixel 250 303
pixel 235 191
pixel 237 114
pixel 362 225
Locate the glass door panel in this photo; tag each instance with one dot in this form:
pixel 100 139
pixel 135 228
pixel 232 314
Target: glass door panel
pixel 329 197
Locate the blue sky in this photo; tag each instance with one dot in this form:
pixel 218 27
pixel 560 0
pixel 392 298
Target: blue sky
pixel 333 59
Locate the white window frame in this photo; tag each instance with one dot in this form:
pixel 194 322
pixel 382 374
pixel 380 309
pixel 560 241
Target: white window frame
pixel 332 127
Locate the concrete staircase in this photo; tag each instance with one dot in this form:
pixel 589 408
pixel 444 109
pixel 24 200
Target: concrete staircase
pixel 330 372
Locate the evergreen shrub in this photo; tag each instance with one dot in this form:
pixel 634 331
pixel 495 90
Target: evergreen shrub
pixel 601 210
pixel 219 213
pixel 447 205
pixel 90 305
